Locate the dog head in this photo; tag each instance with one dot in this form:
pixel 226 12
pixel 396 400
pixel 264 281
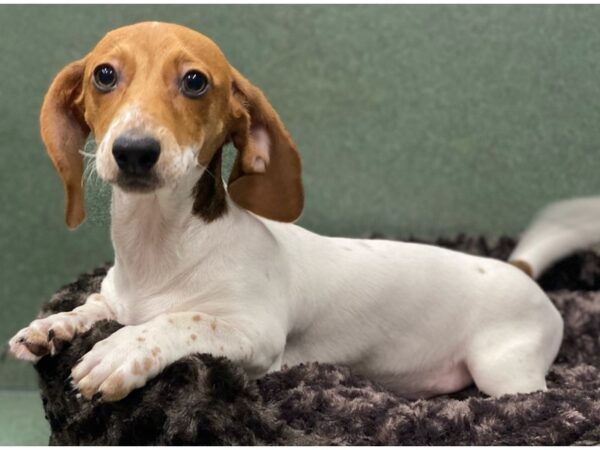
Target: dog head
pixel 161 100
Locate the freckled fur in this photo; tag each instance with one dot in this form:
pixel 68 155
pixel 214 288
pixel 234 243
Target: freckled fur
pixel 114 388
pixel 147 364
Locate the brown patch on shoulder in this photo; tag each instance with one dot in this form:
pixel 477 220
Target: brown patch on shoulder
pixel 197 318
pixel 210 197
pixel 524 266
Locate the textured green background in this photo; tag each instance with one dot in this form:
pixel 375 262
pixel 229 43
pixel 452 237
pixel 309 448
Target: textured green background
pixel 420 120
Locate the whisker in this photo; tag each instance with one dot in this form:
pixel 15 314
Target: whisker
pixel 87 173
pixel 89 145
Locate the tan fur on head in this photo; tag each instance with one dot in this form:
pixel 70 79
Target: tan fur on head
pixel 150 60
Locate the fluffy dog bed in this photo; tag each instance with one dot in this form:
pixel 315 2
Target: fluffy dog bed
pixel 205 400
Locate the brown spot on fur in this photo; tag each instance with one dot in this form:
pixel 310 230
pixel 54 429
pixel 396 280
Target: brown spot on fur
pixel 213 325
pixel 147 364
pixel 171 321
pixel 37 348
pixel 62 333
pixel 36 343
pixel 114 388
pixel 481 270
pixel 193 336
pixel 209 193
pixel 221 348
pixel 524 266
pixel 137 368
pixel 197 318
pixel 71 313
pixel 155 351
pixel 141 339
pixel 87 390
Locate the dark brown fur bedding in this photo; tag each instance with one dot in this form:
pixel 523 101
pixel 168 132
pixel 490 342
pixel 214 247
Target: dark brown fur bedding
pixel 206 400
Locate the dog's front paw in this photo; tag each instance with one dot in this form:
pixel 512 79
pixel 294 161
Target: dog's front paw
pixel 44 336
pixel 119 364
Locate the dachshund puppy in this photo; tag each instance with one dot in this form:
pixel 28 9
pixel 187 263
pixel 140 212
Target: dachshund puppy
pixel 207 267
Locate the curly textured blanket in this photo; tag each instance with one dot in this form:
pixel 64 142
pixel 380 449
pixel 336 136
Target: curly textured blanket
pixel 205 400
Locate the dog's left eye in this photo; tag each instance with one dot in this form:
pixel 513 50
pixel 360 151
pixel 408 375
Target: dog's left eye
pixel 194 84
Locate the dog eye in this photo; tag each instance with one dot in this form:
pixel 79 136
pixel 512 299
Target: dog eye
pixel 105 78
pixel 194 84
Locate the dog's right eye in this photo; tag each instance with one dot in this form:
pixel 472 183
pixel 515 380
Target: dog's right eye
pixel 105 78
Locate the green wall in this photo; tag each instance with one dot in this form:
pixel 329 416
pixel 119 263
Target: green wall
pixel 422 120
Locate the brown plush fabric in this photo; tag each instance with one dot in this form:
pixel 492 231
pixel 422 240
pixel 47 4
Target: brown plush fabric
pixel 206 400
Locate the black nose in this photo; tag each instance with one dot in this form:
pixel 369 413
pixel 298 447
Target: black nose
pixel 136 155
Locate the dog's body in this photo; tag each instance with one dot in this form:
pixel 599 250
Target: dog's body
pixel 199 270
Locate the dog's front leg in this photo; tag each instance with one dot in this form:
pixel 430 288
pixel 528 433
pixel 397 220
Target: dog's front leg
pixel 134 354
pixel 43 336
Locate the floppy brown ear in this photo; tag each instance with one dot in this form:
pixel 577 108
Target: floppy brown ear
pixel 64 133
pixel 266 176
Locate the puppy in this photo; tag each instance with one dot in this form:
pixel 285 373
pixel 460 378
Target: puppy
pixel 204 267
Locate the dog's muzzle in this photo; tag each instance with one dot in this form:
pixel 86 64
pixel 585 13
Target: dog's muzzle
pixel 136 157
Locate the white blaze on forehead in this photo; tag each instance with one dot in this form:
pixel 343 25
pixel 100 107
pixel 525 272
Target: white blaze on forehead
pixel 127 118
pixel 131 117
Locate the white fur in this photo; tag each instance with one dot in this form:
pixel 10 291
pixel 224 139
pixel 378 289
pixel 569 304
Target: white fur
pixel 559 230
pixel 420 319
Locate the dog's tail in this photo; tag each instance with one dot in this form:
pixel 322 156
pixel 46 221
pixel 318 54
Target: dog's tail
pixel 559 230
